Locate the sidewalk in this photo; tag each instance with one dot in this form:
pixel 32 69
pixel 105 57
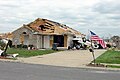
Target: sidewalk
pixel 71 58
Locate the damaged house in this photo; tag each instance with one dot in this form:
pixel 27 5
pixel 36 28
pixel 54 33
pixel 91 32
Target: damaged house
pixel 42 33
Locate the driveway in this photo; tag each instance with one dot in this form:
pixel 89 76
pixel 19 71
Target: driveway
pixel 71 58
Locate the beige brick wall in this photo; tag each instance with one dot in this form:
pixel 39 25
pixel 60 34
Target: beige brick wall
pixel 28 38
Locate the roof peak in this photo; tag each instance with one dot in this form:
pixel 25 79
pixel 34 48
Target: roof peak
pixel 49 26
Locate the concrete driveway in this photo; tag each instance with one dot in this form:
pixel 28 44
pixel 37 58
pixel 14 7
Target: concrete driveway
pixel 71 58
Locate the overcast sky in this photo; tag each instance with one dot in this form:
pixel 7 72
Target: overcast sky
pixel 100 16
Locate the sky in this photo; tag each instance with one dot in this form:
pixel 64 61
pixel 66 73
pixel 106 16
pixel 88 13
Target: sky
pixel 99 16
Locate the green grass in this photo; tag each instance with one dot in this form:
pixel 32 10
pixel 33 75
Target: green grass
pixel 29 53
pixel 113 66
pixel 110 56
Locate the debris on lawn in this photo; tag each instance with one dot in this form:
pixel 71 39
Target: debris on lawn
pixel 8 56
pixel 96 65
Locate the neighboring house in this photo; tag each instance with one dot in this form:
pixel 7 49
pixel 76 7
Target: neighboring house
pixel 116 41
pixel 42 33
pixel 6 36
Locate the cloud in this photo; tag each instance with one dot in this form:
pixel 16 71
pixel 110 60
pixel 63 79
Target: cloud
pixel 79 14
pixel 106 14
pixel 108 7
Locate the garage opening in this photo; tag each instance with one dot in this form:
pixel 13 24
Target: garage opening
pixel 59 39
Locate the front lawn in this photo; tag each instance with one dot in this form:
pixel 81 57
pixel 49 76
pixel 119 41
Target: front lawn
pixel 110 56
pixel 113 66
pixel 29 53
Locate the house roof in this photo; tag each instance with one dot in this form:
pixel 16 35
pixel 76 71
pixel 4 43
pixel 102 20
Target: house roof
pixel 49 27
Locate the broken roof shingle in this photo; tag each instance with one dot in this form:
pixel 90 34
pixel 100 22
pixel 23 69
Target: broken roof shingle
pixel 46 26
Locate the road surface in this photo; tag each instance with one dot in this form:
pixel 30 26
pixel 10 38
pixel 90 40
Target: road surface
pixel 21 71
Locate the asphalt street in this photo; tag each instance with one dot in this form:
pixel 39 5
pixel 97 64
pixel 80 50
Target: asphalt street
pixel 21 71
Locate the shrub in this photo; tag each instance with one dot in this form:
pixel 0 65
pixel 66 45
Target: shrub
pixel 19 46
pixel 24 46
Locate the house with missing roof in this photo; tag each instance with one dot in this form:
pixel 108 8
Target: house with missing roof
pixel 42 33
